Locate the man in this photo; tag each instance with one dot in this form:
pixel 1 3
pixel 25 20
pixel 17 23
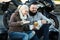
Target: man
pixel 35 16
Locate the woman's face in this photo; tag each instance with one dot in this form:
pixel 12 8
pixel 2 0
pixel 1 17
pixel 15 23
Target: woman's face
pixel 25 12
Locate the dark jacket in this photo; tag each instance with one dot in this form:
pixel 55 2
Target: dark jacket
pixel 13 25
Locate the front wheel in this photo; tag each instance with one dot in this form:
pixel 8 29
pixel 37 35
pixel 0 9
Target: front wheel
pixel 6 18
pixel 54 20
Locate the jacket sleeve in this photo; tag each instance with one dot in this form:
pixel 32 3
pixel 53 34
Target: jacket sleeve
pixel 45 18
pixel 12 22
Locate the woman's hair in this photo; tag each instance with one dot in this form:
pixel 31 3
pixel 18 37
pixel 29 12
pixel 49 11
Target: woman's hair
pixel 22 7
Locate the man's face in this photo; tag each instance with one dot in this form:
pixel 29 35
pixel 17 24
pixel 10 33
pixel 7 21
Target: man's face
pixel 33 8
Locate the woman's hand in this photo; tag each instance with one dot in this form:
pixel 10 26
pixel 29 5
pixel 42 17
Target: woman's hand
pixel 25 22
pixel 19 22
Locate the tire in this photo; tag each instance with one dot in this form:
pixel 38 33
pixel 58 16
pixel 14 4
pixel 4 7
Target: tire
pixel 53 17
pixel 6 18
pixel 3 34
pixel 55 20
pixel 53 34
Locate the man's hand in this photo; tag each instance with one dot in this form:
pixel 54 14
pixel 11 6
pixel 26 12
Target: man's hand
pixel 43 21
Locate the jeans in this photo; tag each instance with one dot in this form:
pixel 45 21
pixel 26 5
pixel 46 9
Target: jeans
pixel 35 37
pixel 21 35
pixel 30 34
pixel 44 31
pixel 18 36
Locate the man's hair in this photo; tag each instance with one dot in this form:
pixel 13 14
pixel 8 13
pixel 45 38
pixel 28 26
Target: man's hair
pixel 34 3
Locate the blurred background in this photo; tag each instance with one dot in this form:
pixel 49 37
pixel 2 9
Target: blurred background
pixel 13 7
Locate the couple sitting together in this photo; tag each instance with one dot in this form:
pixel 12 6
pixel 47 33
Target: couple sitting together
pixel 25 20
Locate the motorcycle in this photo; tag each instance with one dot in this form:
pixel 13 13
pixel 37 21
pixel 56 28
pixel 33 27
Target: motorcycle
pixel 43 7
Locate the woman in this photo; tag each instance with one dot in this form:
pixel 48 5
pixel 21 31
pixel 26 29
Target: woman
pixel 17 22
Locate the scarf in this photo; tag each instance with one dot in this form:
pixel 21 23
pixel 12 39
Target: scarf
pixel 22 17
pixel 32 14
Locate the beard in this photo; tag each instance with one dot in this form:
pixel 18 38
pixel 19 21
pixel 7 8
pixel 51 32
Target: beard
pixel 32 13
